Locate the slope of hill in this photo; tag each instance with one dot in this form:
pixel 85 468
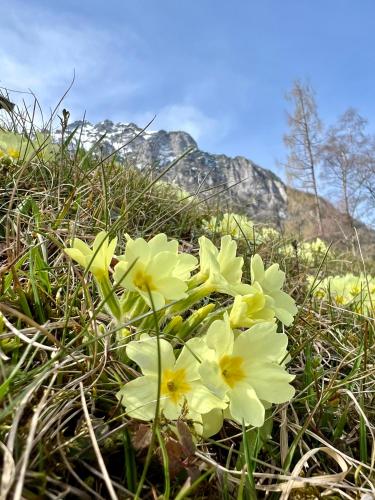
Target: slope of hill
pixel 301 220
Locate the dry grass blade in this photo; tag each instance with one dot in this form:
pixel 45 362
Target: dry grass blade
pixel 95 445
pixel 9 471
pixel 29 442
pixel 318 480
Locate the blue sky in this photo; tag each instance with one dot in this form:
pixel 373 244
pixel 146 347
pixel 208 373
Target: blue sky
pixel 215 68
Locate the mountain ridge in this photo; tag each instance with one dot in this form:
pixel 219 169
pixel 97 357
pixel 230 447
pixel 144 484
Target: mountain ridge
pixel 242 184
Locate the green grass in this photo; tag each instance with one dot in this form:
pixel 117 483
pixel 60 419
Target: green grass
pixel 63 433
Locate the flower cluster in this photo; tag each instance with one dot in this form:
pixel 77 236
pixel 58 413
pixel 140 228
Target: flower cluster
pixel 240 227
pixel 235 225
pixel 311 252
pixel 353 292
pixel 208 362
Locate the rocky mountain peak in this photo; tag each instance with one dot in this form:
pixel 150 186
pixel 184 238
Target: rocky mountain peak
pixel 244 186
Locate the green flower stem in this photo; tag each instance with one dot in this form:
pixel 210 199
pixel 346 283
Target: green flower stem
pixel 194 320
pixel 195 296
pixel 127 301
pixel 214 316
pixel 138 308
pixel 149 322
pixel 196 280
pixel 109 297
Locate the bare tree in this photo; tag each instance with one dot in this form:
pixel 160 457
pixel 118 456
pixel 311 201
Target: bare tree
pixel 345 156
pixel 304 142
pixel 367 181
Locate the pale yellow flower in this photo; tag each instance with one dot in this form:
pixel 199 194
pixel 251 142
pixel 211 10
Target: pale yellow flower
pixel 17 146
pixel 155 270
pixel 348 290
pixel 269 234
pixel 245 371
pixel 180 385
pixel 221 271
pixel 252 308
pixel 98 258
pixel 232 224
pixel 272 281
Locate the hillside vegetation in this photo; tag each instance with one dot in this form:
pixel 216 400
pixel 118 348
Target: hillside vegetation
pixel 301 221
pixel 95 302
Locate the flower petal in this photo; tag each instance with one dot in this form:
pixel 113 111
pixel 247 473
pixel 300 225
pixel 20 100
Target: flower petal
pixel 137 250
pixel 160 243
pixel 171 288
pixel 257 268
pixel 274 277
pixel 185 264
pixel 230 265
pixel 220 336
pixel 191 355
pixel 158 300
pixel 261 342
pixel 208 256
pixel 285 307
pixel 124 274
pixel 271 383
pixel 110 251
pixel 145 353
pixel 100 241
pixel 212 422
pixel 77 255
pixel 139 397
pixel 211 377
pixel 171 409
pixel 245 406
pixel 162 264
pixel 202 400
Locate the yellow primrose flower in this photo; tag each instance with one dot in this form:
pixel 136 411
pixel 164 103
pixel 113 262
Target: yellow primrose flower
pixel 348 291
pixel 271 281
pixel 17 146
pixel 252 308
pixel 97 259
pixel 339 288
pixel 269 234
pixel 180 384
pixel 13 153
pixel 155 268
pixel 245 371
pixel 232 224
pixel 221 270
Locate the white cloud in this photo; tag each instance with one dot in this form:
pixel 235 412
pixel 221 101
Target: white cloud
pixel 188 118
pixel 42 51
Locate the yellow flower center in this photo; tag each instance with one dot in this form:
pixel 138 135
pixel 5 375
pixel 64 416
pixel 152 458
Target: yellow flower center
pixel 13 153
pixel 174 384
pixel 231 369
pixel 339 299
pixel 144 281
